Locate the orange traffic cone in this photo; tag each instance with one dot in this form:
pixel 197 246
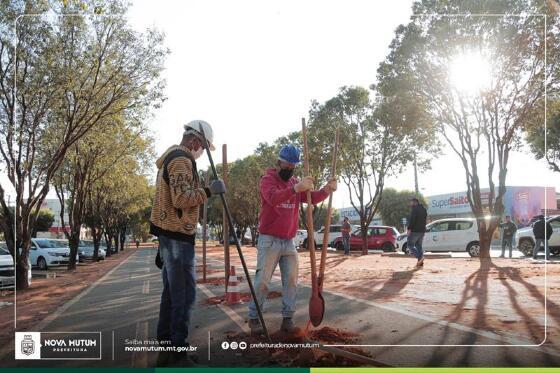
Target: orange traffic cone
pixel 232 293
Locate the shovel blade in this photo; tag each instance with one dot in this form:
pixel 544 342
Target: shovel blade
pixel 316 309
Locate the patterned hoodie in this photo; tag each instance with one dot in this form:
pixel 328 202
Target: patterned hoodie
pixel 178 195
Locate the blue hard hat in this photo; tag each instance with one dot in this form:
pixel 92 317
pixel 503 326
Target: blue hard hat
pixel 289 154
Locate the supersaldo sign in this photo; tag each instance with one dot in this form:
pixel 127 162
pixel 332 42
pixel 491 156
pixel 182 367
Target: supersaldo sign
pixel 449 204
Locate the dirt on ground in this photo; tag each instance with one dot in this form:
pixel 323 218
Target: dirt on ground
pixel 47 294
pixel 505 296
pixel 298 356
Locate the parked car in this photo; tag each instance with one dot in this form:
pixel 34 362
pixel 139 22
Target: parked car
pixel 7 268
pixel 45 252
pixel 301 235
pixel 378 238
pixel 335 231
pixel 526 239
pixel 86 248
pixel 7 273
pixel 448 235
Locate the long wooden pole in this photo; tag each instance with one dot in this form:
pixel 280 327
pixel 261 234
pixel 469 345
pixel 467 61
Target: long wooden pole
pixel 204 232
pixel 326 231
pixel 309 211
pixel 236 240
pixel 224 220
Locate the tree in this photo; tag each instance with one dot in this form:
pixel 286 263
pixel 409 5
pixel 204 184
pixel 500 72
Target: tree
pixel 375 142
pixel 483 123
pixel 43 222
pixel 535 133
pixel 244 194
pixel 395 206
pixel 88 162
pixel 71 74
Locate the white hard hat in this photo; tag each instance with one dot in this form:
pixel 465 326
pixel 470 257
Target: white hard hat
pixel 194 127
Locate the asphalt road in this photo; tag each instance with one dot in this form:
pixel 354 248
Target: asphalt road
pixel 125 306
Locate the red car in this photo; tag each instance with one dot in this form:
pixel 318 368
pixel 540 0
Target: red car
pixel 379 238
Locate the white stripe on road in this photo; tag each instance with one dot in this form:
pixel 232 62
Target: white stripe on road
pixel 140 358
pixel 227 310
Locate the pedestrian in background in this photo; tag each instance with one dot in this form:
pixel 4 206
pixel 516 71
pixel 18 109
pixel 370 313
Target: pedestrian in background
pixel 508 232
pixel 542 236
pixel 346 235
pixel 416 230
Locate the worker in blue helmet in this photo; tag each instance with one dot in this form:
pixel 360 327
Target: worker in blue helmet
pixel 289 154
pixel 281 196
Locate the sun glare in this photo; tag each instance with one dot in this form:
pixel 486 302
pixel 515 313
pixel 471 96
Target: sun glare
pixel 470 73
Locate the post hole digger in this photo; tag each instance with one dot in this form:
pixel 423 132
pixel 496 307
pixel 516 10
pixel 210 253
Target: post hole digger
pixel 323 261
pixel 317 302
pixel 236 239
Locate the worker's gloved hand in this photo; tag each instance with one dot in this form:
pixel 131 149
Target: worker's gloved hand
pixel 331 186
pixel 217 187
pixel 304 185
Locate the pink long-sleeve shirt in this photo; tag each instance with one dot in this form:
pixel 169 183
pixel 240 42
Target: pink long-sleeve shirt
pixel 280 205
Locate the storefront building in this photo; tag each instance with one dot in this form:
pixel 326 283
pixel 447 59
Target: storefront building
pixel 522 203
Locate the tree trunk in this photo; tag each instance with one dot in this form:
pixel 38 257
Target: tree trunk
pixel 485 238
pixel 122 238
pixel 95 244
pixel 364 230
pixel 116 238
pixel 73 242
pixel 109 242
pixel 22 264
pixel 24 222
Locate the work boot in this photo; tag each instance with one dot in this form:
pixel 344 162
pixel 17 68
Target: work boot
pixel 288 325
pixel 255 326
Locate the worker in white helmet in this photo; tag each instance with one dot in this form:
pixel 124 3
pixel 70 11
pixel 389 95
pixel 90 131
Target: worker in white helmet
pixel 174 219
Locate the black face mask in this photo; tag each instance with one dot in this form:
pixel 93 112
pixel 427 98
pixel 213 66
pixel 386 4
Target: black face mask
pixel 286 173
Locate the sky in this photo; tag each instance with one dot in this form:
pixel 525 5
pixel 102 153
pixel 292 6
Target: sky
pixel 251 69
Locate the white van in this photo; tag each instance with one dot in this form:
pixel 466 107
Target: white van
pixel 448 235
pixel 45 252
pixel 526 239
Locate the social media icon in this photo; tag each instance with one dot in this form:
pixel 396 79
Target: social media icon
pixel 242 345
pixel 225 345
pixel 234 345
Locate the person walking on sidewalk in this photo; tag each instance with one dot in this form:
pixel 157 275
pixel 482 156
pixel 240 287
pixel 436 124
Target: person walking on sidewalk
pixel 508 232
pixel 541 236
pixel 416 230
pixel 346 235
pixel 281 196
pixel 173 220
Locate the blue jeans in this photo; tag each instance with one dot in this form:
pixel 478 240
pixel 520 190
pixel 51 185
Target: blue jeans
pixel 538 243
pixel 507 242
pixel 414 243
pixel 179 290
pixel 271 252
pixel 346 243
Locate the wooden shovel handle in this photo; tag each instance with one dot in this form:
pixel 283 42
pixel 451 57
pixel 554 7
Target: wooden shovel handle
pixel 309 211
pixel 328 217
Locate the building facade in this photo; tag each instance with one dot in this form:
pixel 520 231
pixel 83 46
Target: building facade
pixel 522 203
